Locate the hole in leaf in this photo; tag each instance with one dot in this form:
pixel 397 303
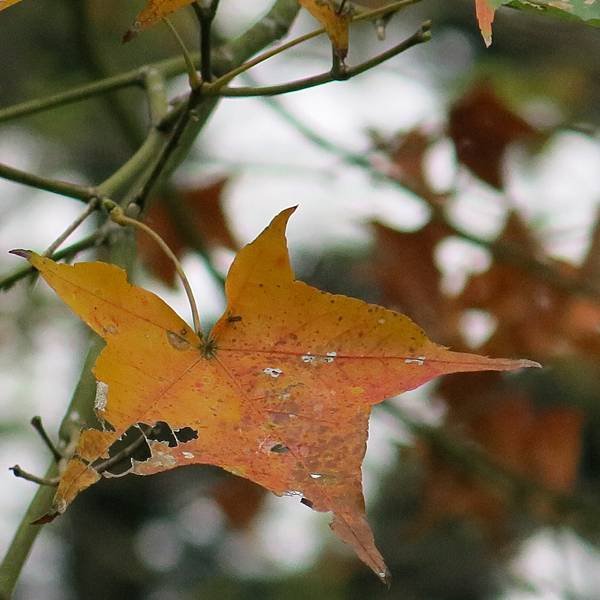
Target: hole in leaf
pixel 185 434
pixel 307 502
pixel 279 449
pixel 134 440
pixel 162 432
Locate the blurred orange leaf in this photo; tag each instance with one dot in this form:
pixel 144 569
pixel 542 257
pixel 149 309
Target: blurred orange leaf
pixel 279 392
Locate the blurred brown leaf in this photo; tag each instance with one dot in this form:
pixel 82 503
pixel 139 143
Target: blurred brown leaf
pixel 201 212
pixel 482 126
pixel 409 279
pixel 535 317
pixel 541 444
pixel 239 499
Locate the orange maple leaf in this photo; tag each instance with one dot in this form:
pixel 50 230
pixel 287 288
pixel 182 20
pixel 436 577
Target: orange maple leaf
pixel 279 392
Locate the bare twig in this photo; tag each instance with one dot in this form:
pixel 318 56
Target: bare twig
pixel 423 34
pixel 18 472
pixel 91 207
pixel 36 422
pixel 127 452
pixel 206 16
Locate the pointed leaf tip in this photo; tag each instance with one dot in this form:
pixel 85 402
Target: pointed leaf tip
pixel 47 518
pixel 485 12
pixel 386 578
pixel 128 36
pixel 525 363
pixel 20 252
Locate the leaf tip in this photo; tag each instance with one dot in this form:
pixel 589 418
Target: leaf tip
pixel 485 17
pixel 46 518
pixel 26 254
pixel 385 578
pixel 129 35
pixel 525 363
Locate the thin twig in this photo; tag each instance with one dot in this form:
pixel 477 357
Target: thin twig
pixel 36 422
pixel 206 16
pixel 82 92
pixel 169 147
pixel 118 216
pixel 91 207
pixel 18 472
pixel 221 82
pixel 419 37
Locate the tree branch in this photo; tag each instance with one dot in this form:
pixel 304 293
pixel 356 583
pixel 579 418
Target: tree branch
pixel 419 37
pixel 63 188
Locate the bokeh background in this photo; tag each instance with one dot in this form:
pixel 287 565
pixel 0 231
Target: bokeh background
pixel 455 183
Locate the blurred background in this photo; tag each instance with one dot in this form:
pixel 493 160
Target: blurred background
pixel 456 184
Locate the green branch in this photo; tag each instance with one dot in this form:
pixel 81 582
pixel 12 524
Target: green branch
pixel 70 190
pixel 82 92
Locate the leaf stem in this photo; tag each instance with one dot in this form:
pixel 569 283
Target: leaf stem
pixel 118 216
